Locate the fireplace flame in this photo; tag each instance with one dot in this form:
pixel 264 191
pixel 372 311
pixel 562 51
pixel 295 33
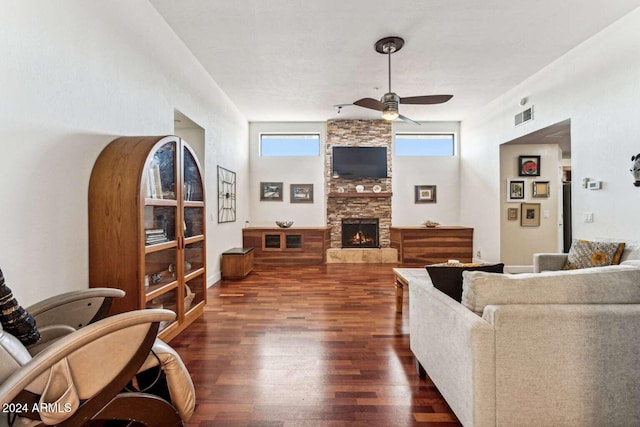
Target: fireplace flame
pixel 361 239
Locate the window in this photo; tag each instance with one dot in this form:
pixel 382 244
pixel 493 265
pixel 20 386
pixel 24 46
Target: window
pixel 425 144
pixel 290 144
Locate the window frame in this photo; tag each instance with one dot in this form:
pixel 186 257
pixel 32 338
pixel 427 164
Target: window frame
pixel 453 135
pixel 261 134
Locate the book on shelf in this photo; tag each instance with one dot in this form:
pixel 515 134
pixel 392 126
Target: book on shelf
pixel 154 187
pixel 155 241
pixel 149 231
pixel 155 235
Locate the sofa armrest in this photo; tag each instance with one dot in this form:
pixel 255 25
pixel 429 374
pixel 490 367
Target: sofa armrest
pixel 566 364
pixel 548 262
pixel 456 349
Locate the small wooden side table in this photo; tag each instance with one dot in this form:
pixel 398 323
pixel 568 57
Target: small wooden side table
pixel 237 263
pixel 402 278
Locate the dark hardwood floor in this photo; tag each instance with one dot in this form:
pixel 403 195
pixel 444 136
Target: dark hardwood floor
pixel 307 346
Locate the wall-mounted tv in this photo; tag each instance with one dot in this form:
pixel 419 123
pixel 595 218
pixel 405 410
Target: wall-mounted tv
pixel 360 162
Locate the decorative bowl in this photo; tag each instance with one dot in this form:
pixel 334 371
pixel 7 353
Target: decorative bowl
pixel 284 224
pixel 430 224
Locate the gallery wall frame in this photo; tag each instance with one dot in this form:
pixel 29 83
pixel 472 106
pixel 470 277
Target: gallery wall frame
pixel 515 190
pixel 271 191
pixel 540 189
pixel 425 194
pixel 512 214
pixel 529 165
pixel 530 214
pixel 301 193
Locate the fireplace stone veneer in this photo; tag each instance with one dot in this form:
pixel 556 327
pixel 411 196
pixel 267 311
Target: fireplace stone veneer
pixel 343 201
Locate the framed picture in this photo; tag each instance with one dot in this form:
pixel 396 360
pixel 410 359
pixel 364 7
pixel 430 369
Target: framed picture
pixel 301 193
pixel 226 195
pixel 425 194
pixel 529 166
pixel 271 191
pixel 540 189
pixel 512 214
pixel 515 189
pixel 530 214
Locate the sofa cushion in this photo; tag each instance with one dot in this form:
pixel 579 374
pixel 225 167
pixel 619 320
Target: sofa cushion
pixel 447 278
pixel 586 254
pixel 619 284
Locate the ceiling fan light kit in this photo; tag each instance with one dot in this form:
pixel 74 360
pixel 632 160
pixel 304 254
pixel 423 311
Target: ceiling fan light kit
pixel 389 102
pixel 390 109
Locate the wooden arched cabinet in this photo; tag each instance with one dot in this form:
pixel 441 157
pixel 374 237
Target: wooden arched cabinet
pixel 147 227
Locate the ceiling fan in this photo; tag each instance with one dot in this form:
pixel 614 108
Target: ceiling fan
pixel 388 104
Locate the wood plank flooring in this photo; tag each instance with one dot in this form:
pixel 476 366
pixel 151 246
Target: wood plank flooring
pixel 307 346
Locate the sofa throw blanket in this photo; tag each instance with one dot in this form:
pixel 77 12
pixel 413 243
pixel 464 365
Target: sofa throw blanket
pixel 15 319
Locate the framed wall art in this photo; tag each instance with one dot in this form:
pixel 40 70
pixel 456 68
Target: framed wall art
pixel 425 193
pixel 540 189
pixel 530 214
pixel 226 195
pixel 512 214
pixel 301 193
pixel 515 190
pixel 271 191
pixel 528 165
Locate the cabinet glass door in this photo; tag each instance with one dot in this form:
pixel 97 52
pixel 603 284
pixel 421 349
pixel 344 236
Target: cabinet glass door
pixel 192 190
pixel 159 224
pixel 159 269
pixel 272 241
pixel 168 301
pixel 193 221
pixel 160 173
pixel 193 257
pixel 194 292
pixel 293 241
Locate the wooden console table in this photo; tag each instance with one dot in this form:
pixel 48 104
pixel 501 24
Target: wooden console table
pixel 295 245
pixel 402 278
pixel 423 245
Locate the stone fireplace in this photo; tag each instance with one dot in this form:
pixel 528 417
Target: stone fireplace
pixel 360 233
pixel 345 203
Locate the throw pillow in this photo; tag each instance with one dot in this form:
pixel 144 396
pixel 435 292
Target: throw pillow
pixel 15 319
pixel 447 278
pixel 586 254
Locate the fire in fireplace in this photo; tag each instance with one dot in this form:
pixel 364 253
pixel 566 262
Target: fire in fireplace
pixel 360 233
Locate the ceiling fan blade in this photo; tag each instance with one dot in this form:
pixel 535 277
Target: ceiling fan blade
pixel 427 99
pixel 408 120
pixel 370 103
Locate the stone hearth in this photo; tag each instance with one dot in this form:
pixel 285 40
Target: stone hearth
pixel 356 256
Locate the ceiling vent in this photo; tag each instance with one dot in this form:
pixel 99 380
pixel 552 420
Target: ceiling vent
pixel 524 116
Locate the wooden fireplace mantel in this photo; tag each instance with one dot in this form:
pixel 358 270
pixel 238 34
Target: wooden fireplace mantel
pixel 335 194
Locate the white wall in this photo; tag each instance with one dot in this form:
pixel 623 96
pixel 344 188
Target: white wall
pixel 444 172
pixel 596 85
pixel 518 243
pixel 288 170
pixel 74 77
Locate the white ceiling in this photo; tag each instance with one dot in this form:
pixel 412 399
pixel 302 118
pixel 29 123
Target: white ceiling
pixel 292 60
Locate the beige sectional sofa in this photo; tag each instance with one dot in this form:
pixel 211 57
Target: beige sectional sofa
pixel 550 349
pixel 556 261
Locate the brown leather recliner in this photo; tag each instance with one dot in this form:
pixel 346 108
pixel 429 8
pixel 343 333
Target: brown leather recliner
pixel 80 378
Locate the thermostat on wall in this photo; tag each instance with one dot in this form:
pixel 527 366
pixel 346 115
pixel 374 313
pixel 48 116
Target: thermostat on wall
pixel 594 185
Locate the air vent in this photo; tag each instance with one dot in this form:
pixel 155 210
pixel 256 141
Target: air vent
pixel 524 116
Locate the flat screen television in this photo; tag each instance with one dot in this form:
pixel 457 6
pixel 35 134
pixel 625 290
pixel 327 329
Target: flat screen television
pixel 360 162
